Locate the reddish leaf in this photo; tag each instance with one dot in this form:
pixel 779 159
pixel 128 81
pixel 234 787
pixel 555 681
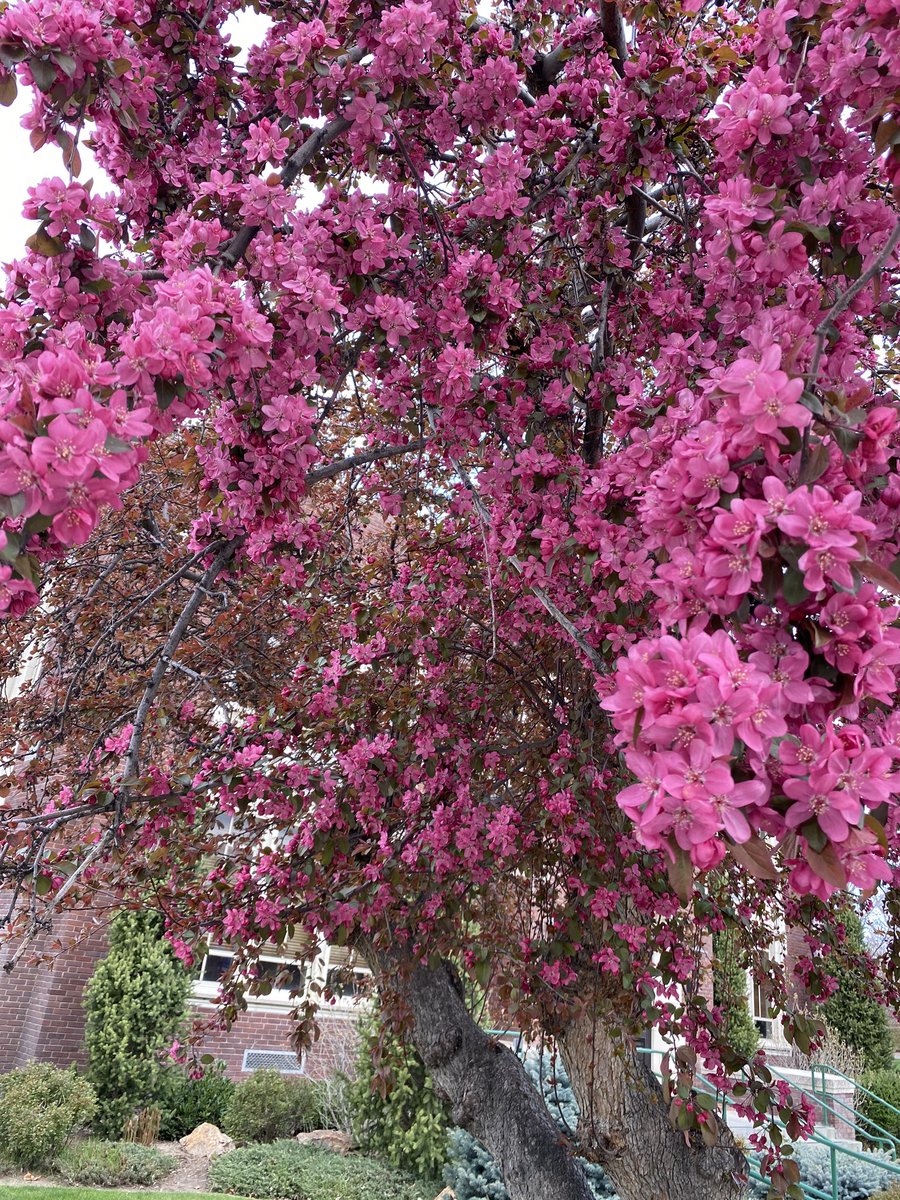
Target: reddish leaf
pixel 756 856
pixel 879 575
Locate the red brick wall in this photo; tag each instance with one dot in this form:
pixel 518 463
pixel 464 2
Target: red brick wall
pixel 259 1029
pixel 42 1016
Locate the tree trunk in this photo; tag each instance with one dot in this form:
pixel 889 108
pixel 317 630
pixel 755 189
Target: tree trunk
pixel 625 1126
pixel 488 1089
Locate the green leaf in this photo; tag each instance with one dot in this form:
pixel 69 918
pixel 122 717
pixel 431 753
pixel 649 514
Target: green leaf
pixel 792 587
pixel 816 464
pixel 66 63
pixel 42 243
pixel 43 73
pixel 165 393
pixel 8 90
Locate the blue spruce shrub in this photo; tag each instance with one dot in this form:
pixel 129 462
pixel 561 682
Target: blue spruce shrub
pixel 856 1180
pixel 473 1174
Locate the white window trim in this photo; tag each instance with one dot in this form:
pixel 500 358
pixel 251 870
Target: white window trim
pixel 278 998
pixel 775 1038
pixel 316 974
pixel 357 1003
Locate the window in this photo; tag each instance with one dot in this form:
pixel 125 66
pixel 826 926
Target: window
pixel 214 966
pixel 278 977
pixel 282 977
pixel 761 1007
pixel 346 976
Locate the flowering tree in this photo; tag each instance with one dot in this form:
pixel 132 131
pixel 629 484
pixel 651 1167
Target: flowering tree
pixel 462 447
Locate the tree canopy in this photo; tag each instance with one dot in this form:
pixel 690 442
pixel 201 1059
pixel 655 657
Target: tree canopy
pixel 461 449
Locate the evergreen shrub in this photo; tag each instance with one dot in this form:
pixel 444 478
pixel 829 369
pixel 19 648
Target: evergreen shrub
pixel 136 1002
pixel 408 1125
pixel 113 1164
pixel 886 1085
pixel 268 1106
pixel 852 1012
pixel 289 1171
pixel 730 993
pixel 186 1103
pixel 856 1179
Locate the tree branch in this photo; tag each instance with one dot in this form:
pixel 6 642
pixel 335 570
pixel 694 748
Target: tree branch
pixel 364 458
pixel 845 300
pixel 179 629
pixel 300 159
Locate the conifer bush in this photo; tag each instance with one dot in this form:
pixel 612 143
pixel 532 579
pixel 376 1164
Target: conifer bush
pixel 883 1111
pixel 730 992
pixel 113 1164
pixel 288 1171
pixel 856 1179
pixel 855 1015
pixel 186 1103
pixel 406 1124
pixel 136 1002
pixel 267 1106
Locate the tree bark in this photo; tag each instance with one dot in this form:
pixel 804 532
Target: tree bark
pixel 625 1126
pixel 488 1090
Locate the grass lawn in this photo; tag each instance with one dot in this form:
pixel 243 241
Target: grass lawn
pixel 39 1192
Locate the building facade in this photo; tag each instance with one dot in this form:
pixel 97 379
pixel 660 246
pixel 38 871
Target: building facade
pixel 42 1011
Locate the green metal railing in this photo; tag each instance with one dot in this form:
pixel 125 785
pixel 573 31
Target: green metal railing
pixel 858 1087
pixel 842 1110
pixel 823 1099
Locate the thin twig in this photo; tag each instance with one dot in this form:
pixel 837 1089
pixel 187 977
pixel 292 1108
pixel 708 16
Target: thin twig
pixel 844 300
pixel 179 629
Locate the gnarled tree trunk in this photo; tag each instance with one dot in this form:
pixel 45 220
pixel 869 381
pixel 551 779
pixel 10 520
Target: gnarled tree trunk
pixel 488 1089
pixel 625 1124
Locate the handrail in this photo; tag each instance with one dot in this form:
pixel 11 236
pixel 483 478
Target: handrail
pixel 827 1100
pixel 835 1148
pixel 825 1069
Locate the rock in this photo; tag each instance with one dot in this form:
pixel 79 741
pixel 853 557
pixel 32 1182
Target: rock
pixel 326 1139
pixel 446 1194
pixel 206 1141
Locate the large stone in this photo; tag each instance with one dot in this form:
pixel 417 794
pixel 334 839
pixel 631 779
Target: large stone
pixel 326 1139
pixel 446 1194
pixel 206 1141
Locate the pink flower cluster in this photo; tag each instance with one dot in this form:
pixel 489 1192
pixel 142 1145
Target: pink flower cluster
pixel 680 706
pixel 707 735
pixel 406 39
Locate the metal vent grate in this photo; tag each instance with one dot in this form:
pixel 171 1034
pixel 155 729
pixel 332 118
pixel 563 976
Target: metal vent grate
pixel 284 1061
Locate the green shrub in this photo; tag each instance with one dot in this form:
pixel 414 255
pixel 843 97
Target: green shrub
pixel 113 1164
pixel 40 1107
pixel 730 992
pixel 408 1126
pixel 472 1173
pixel 288 1171
pixel 186 1103
pixel 136 1001
pixel 308 1099
pixel 267 1106
pixel 852 1012
pixel 886 1085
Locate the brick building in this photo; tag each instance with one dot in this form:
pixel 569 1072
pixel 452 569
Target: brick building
pixel 42 1016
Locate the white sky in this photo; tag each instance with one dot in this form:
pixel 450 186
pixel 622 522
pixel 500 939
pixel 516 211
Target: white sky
pixel 23 168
